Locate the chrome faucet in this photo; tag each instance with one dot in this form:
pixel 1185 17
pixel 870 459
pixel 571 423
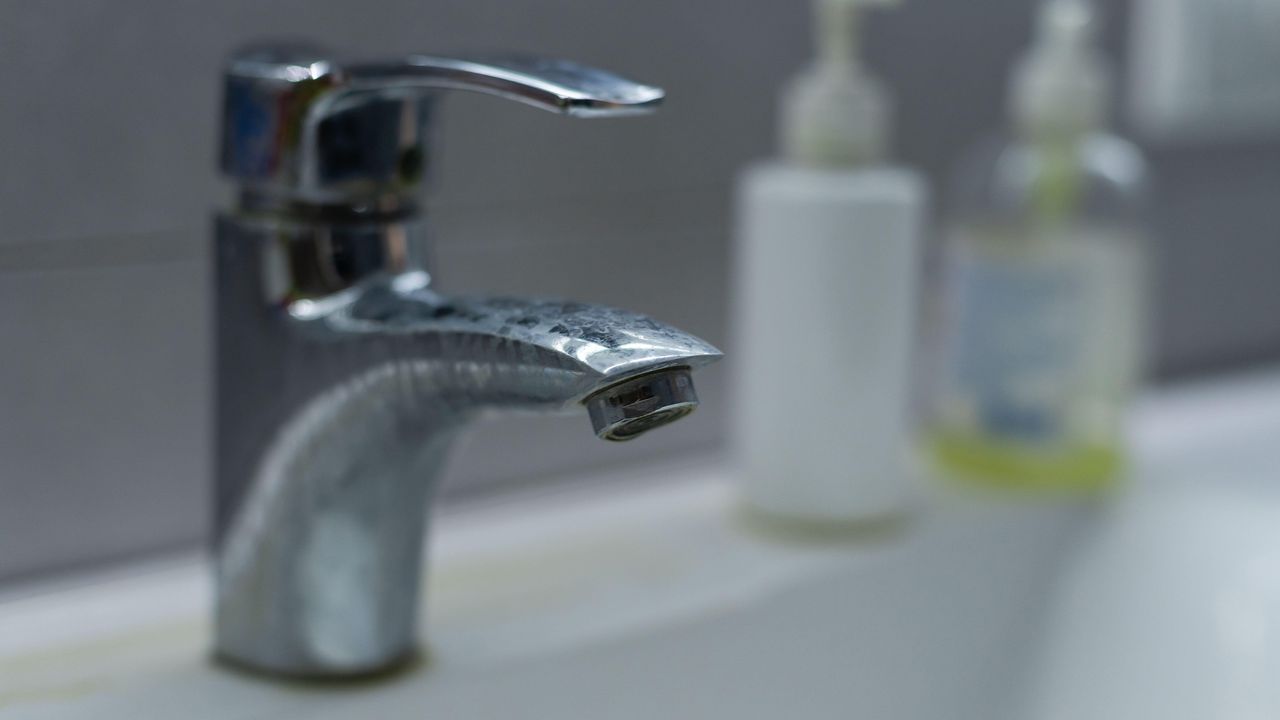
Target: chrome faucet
pixel 342 377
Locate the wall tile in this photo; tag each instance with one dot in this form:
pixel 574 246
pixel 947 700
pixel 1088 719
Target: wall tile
pixel 107 130
pixel 103 380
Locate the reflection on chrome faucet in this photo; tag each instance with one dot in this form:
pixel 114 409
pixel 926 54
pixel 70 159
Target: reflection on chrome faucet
pixel 342 377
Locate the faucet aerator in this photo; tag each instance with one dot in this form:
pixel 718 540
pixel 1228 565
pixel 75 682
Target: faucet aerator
pixel 630 408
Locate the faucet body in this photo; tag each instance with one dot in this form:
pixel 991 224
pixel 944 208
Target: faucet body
pixel 342 377
pixel 333 419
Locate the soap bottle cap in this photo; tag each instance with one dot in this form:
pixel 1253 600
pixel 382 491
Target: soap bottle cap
pixel 834 113
pixel 1061 85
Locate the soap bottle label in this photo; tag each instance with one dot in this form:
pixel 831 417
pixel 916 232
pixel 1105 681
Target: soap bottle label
pixel 1044 339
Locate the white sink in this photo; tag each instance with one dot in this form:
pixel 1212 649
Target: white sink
pixel 647 599
pixel 1172 609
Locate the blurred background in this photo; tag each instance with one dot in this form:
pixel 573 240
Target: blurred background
pixel 107 186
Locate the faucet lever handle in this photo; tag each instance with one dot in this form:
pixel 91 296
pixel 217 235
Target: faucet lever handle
pixel 300 125
pixel 556 85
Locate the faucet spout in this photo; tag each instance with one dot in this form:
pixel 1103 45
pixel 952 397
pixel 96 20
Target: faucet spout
pixel 322 507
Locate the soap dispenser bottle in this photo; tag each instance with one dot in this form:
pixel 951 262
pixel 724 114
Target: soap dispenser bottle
pixel 827 255
pixel 1046 276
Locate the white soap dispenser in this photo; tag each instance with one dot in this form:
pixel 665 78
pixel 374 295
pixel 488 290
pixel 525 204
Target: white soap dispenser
pixel 827 254
pixel 1046 274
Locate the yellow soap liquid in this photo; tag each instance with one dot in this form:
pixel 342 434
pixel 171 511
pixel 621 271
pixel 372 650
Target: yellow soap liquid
pixel 990 462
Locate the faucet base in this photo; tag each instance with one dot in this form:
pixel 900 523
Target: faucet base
pixel 412 658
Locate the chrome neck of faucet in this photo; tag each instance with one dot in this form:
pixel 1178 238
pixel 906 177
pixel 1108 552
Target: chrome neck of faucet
pixel 332 426
pixel 314 256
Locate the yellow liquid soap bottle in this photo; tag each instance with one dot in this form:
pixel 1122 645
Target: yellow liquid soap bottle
pixel 1045 281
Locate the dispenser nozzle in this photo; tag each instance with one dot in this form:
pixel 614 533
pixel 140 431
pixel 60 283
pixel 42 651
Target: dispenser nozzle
pixel 835 114
pixel 1061 84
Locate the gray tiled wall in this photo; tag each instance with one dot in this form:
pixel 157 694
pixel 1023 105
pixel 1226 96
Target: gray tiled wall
pixel 107 121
